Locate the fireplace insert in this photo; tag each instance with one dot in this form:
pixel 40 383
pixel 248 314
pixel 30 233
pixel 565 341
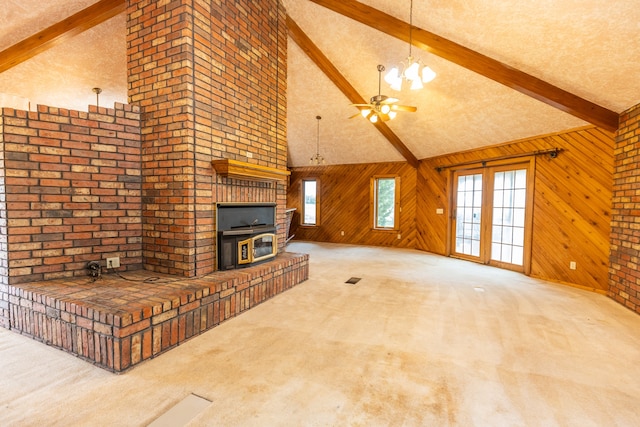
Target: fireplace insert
pixel 246 235
pixel 243 247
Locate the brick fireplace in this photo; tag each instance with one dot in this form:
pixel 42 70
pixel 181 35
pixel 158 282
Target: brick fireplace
pixel 205 125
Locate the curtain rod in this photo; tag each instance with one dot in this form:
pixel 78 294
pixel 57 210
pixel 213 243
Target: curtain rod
pixel 552 152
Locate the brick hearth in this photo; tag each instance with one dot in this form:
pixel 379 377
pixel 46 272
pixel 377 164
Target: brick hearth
pixel 117 322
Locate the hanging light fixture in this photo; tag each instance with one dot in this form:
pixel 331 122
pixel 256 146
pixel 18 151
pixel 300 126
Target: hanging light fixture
pixel 411 70
pixel 317 159
pixel 97 91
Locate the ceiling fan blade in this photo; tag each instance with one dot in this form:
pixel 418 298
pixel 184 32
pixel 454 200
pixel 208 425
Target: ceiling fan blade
pixel 355 115
pixel 389 100
pixel 408 108
pixel 361 105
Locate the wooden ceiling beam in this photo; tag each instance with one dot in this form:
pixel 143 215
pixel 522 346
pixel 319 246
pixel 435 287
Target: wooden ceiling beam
pixel 59 32
pixel 320 59
pixel 477 62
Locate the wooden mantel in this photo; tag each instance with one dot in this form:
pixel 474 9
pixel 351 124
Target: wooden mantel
pixel 242 170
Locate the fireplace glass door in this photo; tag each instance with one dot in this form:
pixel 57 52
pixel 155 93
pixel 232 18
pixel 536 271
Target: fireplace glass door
pixel 264 246
pixel 257 248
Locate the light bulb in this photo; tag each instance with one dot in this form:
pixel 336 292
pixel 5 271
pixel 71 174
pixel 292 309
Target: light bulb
pixel 416 84
pixel 373 118
pixel 391 76
pixel 411 73
pixel 397 84
pixel 384 109
pixel 365 112
pixel 392 115
pixel 428 74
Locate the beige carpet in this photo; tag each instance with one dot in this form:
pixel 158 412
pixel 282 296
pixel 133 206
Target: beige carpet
pixel 421 340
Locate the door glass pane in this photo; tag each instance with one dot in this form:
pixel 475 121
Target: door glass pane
pixel 509 198
pixel 520 196
pixel 521 178
pixel 499 181
pixel 468 214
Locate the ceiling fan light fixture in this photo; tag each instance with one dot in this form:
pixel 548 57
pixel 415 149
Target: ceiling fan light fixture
pixel 380 107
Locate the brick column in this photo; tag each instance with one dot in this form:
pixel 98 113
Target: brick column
pixel 210 78
pixel 624 274
pixel 160 75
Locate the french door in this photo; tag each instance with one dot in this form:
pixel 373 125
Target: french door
pixel 491 223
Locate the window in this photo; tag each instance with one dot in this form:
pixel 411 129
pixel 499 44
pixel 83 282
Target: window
pixel 310 203
pixel 385 202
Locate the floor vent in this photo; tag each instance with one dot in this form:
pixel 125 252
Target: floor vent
pixel 353 280
pixel 183 412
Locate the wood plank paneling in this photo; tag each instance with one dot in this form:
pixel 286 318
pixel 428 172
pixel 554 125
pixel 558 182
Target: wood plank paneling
pixel 572 204
pixel 344 195
pixel 571 208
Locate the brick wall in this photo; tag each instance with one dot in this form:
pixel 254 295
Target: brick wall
pixel 210 78
pixel 624 275
pixel 4 253
pixel 143 319
pixel 72 191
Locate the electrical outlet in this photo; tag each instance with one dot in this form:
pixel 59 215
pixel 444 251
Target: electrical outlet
pixel 439 211
pixel 399 236
pixel 572 265
pixel 342 233
pixel 113 262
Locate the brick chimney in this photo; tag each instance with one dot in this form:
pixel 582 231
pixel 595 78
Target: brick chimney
pixel 210 81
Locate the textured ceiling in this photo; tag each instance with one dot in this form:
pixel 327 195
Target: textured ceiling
pixel 586 47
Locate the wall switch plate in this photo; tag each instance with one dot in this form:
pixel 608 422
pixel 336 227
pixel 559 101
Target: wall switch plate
pixel 572 265
pixel 399 236
pixel 342 233
pixel 113 262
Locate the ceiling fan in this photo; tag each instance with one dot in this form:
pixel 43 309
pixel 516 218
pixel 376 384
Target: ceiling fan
pixel 381 107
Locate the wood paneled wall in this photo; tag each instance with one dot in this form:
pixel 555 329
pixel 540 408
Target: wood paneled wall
pixel 572 203
pixel 571 211
pixel 344 195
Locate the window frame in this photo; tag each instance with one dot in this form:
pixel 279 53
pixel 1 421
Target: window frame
pixel 374 205
pixel 302 202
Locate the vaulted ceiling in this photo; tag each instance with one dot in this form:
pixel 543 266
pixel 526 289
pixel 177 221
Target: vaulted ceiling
pixel 506 70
